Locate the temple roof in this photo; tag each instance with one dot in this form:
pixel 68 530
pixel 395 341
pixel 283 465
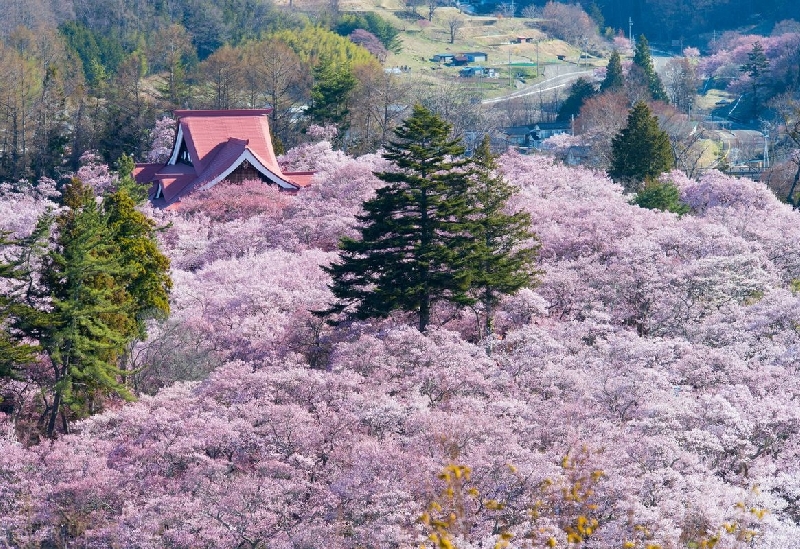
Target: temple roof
pixel 207 131
pixel 209 145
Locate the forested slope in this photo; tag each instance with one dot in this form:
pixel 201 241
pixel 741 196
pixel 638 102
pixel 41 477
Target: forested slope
pixel 658 351
pixel 94 76
pixel 666 20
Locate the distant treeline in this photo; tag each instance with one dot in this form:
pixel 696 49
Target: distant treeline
pixel 95 75
pixel 667 20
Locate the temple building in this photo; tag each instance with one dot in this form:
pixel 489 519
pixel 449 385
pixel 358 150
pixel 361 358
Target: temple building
pixel 213 146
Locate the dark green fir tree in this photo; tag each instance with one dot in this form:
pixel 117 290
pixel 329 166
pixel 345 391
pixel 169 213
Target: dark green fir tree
pixel 757 65
pixel 414 246
pixel 614 80
pixel 579 92
pixel 330 94
pixel 101 276
pixel 147 282
pixel 505 248
pixel 643 59
pixel 92 315
pixel 641 150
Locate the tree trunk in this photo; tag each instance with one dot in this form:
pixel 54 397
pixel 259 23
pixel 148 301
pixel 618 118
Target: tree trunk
pixel 424 313
pixel 487 306
pixel 51 422
pixel 790 197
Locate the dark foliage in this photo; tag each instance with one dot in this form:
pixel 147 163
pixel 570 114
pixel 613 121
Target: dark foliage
pixel 579 92
pixel 615 79
pixel 644 61
pixel 413 245
pixel 641 150
pixel 437 232
pixel 663 196
pixel 371 22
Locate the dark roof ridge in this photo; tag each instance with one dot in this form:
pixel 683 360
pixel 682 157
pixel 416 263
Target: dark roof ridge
pixel 218 112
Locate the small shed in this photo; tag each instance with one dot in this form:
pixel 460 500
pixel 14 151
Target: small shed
pixel 476 56
pixel 532 135
pixel 472 72
pixel 443 58
pixel 521 40
pixel 578 155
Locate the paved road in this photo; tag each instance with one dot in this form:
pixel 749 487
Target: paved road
pixel 549 84
pixel 565 76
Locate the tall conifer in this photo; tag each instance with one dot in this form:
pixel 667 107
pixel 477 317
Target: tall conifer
pixel 614 80
pixel 642 149
pixel 413 245
pixel 148 281
pixel 92 314
pixel 757 64
pixel 99 278
pixel 644 60
pixel 503 257
pixel 438 231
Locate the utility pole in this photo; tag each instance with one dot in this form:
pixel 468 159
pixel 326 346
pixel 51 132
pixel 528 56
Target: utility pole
pixel 630 30
pixel 584 45
pixel 509 69
pixel 537 59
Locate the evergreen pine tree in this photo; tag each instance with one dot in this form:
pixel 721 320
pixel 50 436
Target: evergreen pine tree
pixel 614 80
pixel 757 64
pixel 332 87
pixel 14 351
pixel 580 91
pixel 148 281
pixel 644 60
pixel 413 247
pixel 642 149
pixel 501 263
pixel 100 278
pixel 92 315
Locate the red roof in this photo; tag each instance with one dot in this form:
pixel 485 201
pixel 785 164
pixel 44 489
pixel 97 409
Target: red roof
pixel 174 179
pixel 206 131
pixel 217 143
pixel 225 154
pixel 145 172
pixel 301 179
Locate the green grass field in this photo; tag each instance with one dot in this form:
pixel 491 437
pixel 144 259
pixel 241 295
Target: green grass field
pixel 422 39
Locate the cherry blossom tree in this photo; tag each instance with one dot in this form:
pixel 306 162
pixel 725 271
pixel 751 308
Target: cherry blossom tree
pixel 96 173
pixel 162 140
pixel 660 351
pixel 733 52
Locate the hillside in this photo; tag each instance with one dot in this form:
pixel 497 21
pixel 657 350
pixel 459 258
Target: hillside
pixel 201 376
pixel 659 351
